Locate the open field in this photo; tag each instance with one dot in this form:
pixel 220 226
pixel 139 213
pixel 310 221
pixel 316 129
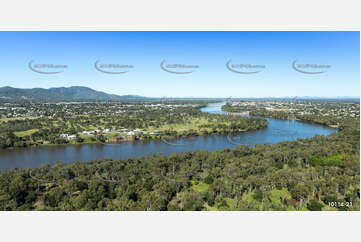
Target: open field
pixel 26 132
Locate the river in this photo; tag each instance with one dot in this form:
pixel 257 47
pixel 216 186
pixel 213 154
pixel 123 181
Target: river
pixel 277 131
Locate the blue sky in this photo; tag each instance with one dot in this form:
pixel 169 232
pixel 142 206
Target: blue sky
pixel 209 50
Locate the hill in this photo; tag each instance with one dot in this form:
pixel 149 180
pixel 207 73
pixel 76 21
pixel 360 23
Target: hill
pixel 75 93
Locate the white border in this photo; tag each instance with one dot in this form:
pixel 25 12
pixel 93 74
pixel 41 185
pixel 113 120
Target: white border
pixel 179 15
pixel 179 226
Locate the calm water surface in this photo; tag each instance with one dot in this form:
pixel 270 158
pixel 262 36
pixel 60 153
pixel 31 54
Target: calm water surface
pixel 277 130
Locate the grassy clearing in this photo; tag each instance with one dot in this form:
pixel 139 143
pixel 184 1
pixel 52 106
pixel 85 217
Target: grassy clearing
pixel 26 132
pixel 276 196
pixel 199 186
pixel 223 204
pixel 192 123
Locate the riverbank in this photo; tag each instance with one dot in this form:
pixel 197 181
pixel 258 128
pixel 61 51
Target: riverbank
pixel 275 132
pixel 199 125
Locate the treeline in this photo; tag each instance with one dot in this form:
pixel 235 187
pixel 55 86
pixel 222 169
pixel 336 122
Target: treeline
pixel 320 173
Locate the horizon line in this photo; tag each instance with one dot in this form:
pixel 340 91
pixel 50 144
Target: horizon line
pixel 193 97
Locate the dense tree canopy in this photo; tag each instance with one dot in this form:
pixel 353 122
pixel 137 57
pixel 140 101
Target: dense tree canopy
pixel 321 173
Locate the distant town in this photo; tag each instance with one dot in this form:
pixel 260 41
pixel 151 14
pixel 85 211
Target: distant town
pixel 303 107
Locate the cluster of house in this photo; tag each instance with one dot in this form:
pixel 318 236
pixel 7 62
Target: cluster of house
pixel 130 132
pixel 97 131
pixel 67 136
pixel 94 132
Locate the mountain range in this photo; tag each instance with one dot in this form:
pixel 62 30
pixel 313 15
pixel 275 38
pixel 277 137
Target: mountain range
pixel 79 93
pixel 56 94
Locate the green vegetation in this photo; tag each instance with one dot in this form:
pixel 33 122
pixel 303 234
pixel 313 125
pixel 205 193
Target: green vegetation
pixel 321 173
pixel 77 123
pixel 26 132
pixel 199 186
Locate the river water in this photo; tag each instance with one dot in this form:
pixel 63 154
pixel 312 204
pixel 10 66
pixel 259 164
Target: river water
pixel 277 131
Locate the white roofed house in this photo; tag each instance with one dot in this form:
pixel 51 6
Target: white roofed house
pixel 67 136
pixel 64 136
